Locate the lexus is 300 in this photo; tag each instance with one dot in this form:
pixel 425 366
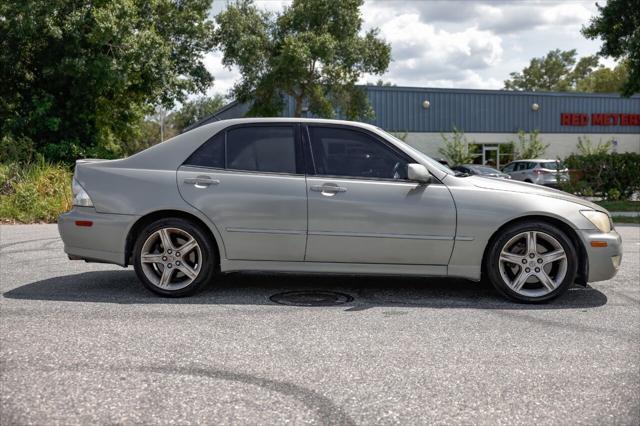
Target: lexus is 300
pixel 306 195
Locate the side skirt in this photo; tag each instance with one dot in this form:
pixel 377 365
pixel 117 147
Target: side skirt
pixel 336 268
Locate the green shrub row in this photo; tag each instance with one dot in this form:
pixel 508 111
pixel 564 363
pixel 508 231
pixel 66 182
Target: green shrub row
pixel 34 192
pixel 612 176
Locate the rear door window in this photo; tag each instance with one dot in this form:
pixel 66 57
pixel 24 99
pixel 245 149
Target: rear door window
pixel 262 149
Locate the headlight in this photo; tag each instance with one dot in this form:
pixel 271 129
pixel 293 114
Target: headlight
pixel 600 220
pixel 80 196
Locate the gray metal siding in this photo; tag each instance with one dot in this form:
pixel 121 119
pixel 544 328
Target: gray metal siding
pixel 399 109
pixel 475 111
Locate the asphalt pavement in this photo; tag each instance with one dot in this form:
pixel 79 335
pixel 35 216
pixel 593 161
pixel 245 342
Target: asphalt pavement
pixel 86 343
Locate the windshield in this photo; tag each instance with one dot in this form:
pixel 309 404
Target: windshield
pixel 428 159
pixel 553 165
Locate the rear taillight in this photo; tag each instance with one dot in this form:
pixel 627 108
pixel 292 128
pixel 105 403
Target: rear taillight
pixel 80 196
pixel 540 172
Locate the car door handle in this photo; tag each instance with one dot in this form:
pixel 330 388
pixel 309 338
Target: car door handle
pixel 330 189
pixel 201 181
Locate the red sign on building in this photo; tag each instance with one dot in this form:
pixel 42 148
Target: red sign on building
pixel 608 119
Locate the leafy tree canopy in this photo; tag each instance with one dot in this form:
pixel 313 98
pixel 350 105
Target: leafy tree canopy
pixel 618 25
pixel 312 51
pixel 194 111
pixel 164 124
pixel 558 71
pixel 605 80
pixel 78 77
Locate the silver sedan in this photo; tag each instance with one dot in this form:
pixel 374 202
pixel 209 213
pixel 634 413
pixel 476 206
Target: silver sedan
pixel 304 195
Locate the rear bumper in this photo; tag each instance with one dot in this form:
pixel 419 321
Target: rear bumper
pixel 604 262
pixel 551 181
pixel 103 241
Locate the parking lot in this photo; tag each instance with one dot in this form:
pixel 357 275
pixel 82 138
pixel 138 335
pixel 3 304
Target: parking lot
pixel 86 343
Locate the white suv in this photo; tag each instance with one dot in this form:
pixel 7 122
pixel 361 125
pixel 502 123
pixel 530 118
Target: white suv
pixel 543 172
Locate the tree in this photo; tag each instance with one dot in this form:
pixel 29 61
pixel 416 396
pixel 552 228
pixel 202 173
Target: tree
pixel 148 134
pixel 78 77
pixel 381 83
pixel 194 111
pixel 529 145
pixel 618 25
pixel 312 51
pixel 605 80
pixel 457 149
pixel 558 71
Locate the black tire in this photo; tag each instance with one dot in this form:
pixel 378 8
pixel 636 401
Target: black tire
pixel 206 269
pixel 492 260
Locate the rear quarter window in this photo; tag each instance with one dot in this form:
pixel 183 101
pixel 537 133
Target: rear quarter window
pixel 210 154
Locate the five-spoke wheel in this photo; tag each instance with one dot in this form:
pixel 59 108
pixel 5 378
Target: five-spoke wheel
pixel 173 257
pixel 532 262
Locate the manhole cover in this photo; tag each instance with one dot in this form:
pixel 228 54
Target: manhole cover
pixel 311 298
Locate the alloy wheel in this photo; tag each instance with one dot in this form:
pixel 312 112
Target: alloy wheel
pixel 533 263
pixel 171 258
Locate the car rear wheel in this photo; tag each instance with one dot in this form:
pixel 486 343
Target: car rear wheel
pixel 173 257
pixel 532 262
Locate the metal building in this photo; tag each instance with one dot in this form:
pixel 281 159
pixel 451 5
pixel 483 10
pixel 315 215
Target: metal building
pixel 492 118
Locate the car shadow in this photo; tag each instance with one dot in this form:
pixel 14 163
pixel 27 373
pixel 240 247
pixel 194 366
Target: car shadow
pixel 123 287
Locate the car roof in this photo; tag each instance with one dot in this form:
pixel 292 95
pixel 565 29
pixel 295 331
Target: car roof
pixel 257 120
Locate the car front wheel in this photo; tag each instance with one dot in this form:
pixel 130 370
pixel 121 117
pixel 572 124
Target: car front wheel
pixel 532 262
pixel 173 257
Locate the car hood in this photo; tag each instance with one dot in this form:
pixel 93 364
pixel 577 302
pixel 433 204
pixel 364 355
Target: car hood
pixel 529 188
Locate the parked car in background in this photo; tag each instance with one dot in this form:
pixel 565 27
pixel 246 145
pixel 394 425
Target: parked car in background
pixel 309 196
pixel 476 169
pixel 542 172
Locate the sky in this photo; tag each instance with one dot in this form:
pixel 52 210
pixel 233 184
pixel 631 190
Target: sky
pixel 456 44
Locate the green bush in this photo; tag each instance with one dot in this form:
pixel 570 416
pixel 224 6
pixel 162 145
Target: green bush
pixel 16 150
pixel 587 147
pixel 34 192
pixel 457 149
pixel 529 145
pixel 607 175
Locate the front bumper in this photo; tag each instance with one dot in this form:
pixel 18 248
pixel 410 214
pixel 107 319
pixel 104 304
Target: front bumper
pixel 604 262
pixel 103 241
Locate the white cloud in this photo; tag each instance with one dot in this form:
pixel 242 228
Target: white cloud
pixel 422 53
pixel 521 17
pixel 224 78
pixel 458 44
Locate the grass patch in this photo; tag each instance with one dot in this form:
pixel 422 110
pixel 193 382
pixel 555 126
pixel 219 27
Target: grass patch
pixel 34 192
pixel 626 219
pixel 620 206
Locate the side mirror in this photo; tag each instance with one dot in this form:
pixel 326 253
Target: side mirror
pixel 418 173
